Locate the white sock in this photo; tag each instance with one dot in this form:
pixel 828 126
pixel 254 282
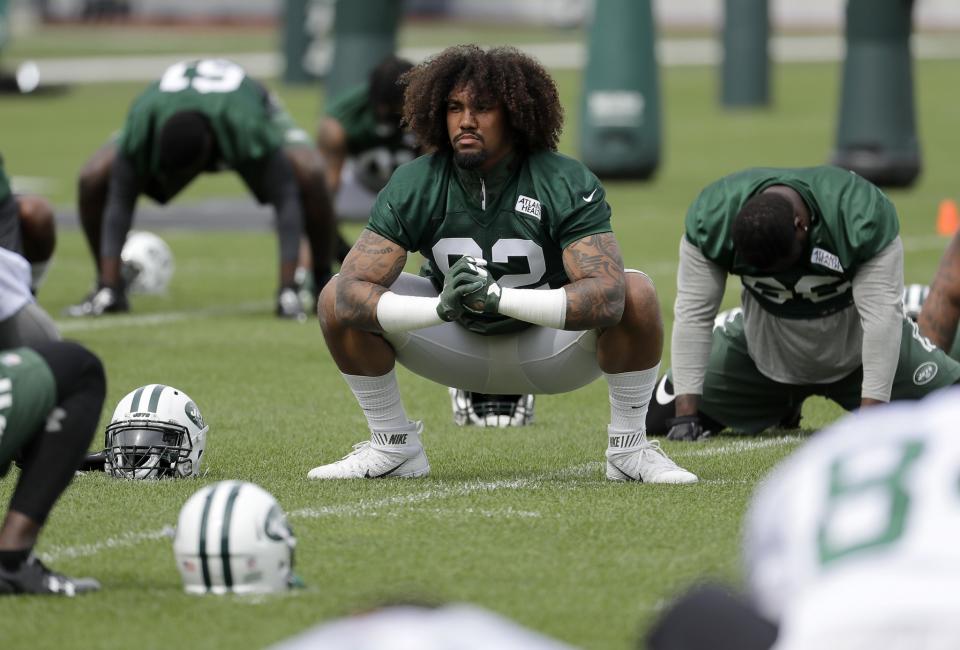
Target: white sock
pixel 630 394
pixel 379 397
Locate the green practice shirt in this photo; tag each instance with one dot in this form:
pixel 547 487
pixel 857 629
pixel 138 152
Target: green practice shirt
pixel 519 217
pixel 851 221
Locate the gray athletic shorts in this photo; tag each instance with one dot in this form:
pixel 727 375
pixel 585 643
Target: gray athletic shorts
pixel 29 326
pixel 537 360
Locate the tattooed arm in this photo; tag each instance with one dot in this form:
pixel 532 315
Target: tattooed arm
pixel 941 309
pixel 595 295
pixel 373 264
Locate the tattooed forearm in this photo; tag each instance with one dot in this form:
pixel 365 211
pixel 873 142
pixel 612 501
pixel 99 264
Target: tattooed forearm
pixel 595 295
pixel 370 268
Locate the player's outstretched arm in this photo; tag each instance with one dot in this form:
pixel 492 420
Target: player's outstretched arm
pixel 596 293
pixel 332 143
pixel 941 310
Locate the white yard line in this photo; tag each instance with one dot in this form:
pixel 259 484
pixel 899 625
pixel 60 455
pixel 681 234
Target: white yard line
pixel 437 492
pixel 739 446
pixel 149 320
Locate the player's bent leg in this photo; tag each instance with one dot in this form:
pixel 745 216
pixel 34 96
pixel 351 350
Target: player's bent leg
pixel 735 393
pixel 922 367
pixel 29 326
pixel 629 356
pixel 50 458
pixel 367 362
pixel 39 233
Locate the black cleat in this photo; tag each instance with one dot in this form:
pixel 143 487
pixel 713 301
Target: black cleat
pixel 32 577
pixel 102 300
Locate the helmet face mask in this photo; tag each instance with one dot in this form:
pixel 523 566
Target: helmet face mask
pixel 146 449
pixel 488 410
pixel 156 432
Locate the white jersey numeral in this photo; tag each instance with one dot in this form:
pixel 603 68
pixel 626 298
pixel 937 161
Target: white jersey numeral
pixel 501 252
pixel 210 76
pixel 815 288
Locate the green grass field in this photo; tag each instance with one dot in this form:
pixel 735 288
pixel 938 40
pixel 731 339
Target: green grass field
pixel 518 521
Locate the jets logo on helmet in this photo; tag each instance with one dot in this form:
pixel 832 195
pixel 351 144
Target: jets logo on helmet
pixel 156 431
pixel 485 410
pixel 147 263
pixel 233 537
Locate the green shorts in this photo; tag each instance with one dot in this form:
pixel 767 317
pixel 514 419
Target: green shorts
pixel 736 394
pixel 28 392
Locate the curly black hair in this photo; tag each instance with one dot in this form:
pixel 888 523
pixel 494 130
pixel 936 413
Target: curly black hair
pixel 502 74
pixel 763 230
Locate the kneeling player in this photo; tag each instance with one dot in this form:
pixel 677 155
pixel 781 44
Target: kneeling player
pixel 548 308
pixel 50 401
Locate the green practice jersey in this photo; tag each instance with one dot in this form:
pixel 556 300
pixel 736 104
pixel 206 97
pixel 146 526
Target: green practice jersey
pixel 851 221
pixel 519 217
pixel 246 122
pixel 4 183
pixel 377 149
pixel 28 392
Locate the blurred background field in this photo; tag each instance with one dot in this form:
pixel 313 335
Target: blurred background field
pixel 520 522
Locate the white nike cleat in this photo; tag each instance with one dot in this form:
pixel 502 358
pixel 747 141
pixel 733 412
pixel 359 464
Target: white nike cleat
pixel 385 455
pixel 648 464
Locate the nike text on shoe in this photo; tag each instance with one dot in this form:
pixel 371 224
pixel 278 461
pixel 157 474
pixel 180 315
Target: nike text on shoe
pixel 649 464
pixel 32 577
pixel 384 455
pixel 289 305
pixel 102 300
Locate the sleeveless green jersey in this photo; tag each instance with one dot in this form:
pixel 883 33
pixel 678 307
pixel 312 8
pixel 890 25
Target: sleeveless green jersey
pixel 241 113
pixel 377 149
pixel 28 392
pixel 4 183
pixel 519 217
pixel 851 221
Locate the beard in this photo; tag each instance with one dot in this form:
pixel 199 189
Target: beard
pixel 469 160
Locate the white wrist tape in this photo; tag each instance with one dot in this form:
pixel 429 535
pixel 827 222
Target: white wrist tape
pixel 540 307
pixel 398 313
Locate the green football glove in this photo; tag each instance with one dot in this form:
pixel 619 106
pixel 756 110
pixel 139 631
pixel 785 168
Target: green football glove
pixel 462 278
pixel 486 299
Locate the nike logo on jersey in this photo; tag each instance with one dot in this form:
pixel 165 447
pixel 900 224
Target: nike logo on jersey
pixel 589 197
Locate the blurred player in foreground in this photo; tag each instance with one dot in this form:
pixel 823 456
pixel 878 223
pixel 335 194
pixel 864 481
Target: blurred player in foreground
pixel 848 542
pixel 50 401
pixel 27 239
